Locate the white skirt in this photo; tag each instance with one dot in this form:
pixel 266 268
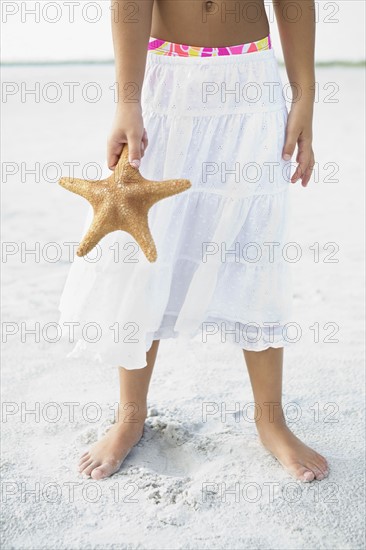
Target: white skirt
pixel 222 245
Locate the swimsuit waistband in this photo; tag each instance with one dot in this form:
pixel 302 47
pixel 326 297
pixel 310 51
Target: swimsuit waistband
pixel 163 47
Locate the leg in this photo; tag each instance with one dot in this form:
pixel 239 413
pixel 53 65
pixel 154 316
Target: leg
pixel 265 373
pixel 106 456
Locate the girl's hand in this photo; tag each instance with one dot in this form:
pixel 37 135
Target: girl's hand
pixel 299 131
pixel 128 127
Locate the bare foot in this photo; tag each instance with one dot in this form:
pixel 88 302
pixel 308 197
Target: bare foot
pixel 302 462
pixel 105 457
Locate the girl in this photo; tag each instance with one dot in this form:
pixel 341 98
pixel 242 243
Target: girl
pixel 198 80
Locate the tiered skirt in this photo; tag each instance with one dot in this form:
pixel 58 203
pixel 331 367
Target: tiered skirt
pixel 224 256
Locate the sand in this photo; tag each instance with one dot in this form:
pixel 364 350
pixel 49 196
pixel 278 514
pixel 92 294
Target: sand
pixel 170 493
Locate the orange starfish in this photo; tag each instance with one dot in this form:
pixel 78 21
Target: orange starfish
pixel 121 202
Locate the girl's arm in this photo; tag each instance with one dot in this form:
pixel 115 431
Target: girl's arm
pixel 296 25
pixel 131 26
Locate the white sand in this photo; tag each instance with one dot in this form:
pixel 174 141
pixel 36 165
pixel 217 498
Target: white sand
pixel 157 499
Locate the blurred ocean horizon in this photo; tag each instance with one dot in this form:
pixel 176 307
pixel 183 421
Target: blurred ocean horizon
pixel 80 32
pixel 335 63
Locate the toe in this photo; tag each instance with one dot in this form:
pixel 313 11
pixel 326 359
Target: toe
pixel 100 473
pixel 84 454
pixel 84 459
pixel 307 475
pixel 323 459
pixel 85 465
pixel 90 468
pixel 105 470
pixel 323 465
pixel 318 473
pixel 320 463
pixel 302 473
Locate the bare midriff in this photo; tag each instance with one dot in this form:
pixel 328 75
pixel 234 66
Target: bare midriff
pixel 211 23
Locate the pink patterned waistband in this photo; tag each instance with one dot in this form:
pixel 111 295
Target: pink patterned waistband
pixel 163 47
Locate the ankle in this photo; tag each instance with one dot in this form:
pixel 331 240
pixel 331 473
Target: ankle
pixel 267 427
pixel 131 413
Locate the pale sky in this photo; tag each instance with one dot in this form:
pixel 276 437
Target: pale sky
pixel 71 29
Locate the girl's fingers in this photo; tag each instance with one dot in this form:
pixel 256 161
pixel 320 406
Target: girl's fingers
pixel 114 152
pixel 297 174
pixel 145 140
pixel 304 157
pixel 308 171
pixel 307 175
pixel 303 172
pixel 134 149
pixel 144 143
pixel 290 144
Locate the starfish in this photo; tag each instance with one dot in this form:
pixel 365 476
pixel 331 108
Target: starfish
pixel 121 202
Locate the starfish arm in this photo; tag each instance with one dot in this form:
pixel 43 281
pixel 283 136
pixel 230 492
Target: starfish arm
pixel 121 202
pixel 98 229
pixel 123 167
pixel 158 190
pixel 142 235
pixel 84 188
